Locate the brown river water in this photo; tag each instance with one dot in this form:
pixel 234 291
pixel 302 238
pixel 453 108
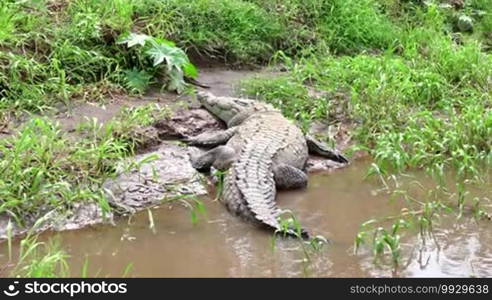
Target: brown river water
pixel 334 205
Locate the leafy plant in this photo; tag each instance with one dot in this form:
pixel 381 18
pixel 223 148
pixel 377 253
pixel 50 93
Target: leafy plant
pixel 41 259
pixel 175 62
pixel 289 225
pixel 192 203
pixel 137 81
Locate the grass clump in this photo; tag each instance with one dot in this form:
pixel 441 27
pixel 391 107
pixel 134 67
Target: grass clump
pixel 424 103
pixel 43 168
pixel 427 106
pixel 36 172
pixel 233 31
pixel 54 52
pixel 354 26
pixel 41 259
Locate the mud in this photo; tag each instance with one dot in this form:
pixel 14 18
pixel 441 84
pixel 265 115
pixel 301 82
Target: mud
pixel 223 81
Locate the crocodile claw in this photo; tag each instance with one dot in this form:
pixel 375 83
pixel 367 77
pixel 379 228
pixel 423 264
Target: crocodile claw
pixel 188 140
pixel 339 158
pixel 318 148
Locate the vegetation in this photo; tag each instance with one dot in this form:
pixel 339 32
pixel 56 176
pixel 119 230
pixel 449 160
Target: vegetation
pixel 309 246
pixel 42 168
pixel 413 77
pixel 420 102
pixel 424 102
pixel 45 259
pixel 41 259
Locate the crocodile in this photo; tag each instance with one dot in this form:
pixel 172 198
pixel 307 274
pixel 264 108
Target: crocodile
pixel 262 151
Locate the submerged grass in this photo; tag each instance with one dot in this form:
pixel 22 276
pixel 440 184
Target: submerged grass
pixel 424 210
pixel 41 259
pixel 36 258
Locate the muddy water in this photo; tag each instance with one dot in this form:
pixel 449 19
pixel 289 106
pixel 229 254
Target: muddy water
pixel 334 205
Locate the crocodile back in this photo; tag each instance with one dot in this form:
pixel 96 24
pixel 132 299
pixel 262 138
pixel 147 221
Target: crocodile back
pixel 261 141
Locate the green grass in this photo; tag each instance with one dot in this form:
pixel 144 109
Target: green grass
pixel 41 259
pixel 36 258
pixel 53 51
pixel 218 29
pixel 422 103
pixel 42 168
pixel 290 227
pixel 428 106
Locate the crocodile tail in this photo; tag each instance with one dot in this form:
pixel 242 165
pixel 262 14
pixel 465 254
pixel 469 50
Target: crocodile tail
pixel 295 233
pixel 253 176
pixel 237 204
pixel 254 181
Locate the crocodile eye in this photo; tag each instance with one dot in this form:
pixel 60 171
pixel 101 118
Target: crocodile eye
pixel 243 103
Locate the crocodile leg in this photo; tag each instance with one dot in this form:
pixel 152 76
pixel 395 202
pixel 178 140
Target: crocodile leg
pixel 239 118
pixel 220 158
pixel 208 139
pixel 316 147
pixel 289 177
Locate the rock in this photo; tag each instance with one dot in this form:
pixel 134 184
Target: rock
pixel 146 137
pixel 78 216
pixel 186 123
pixel 161 179
pixel 465 23
pixel 81 215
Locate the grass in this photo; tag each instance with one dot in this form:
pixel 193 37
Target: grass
pixel 191 202
pixel 36 259
pixel 424 208
pixel 426 106
pixel 290 227
pixel 45 259
pixel 43 169
pixel 423 103
pixel 41 259
pixel 54 51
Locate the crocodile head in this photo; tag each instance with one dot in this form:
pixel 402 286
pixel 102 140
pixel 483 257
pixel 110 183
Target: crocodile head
pixel 226 108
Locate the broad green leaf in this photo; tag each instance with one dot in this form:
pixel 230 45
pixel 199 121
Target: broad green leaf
pixel 176 81
pixel 136 80
pixel 190 70
pixel 133 39
pixel 164 42
pixel 173 56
